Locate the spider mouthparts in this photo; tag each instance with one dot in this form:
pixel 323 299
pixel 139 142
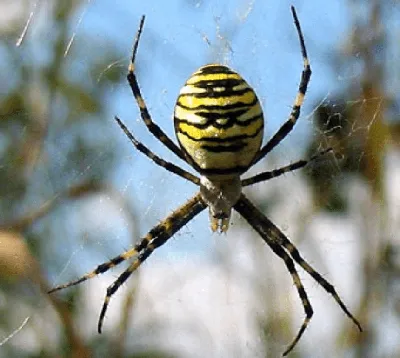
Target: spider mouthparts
pixel 219 223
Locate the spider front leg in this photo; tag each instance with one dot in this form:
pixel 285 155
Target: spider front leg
pixel 308 310
pixel 155 238
pixel 295 113
pixel 247 210
pixel 277 241
pixel 109 264
pixel 294 252
pixel 159 236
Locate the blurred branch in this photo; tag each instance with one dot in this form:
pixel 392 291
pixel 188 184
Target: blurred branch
pixel 16 264
pixel 74 192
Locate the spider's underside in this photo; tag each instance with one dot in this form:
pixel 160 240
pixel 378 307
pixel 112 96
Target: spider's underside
pixel 219 125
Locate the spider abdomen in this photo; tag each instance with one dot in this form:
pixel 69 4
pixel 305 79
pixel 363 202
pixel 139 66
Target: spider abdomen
pixel 218 121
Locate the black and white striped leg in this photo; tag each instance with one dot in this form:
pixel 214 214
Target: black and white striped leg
pixel 158 236
pixel 159 161
pixel 288 168
pixel 275 238
pixel 247 210
pixel 295 113
pixel 109 264
pixel 152 127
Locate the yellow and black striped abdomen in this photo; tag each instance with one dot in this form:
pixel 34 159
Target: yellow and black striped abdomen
pixel 218 121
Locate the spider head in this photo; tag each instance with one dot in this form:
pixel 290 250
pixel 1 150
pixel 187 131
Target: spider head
pixel 220 194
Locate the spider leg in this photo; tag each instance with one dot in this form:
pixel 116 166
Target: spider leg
pixel 246 211
pixel 159 235
pixel 264 176
pixel 275 238
pixel 295 113
pixel 300 289
pixel 187 209
pixel 107 265
pixel 294 252
pixel 159 161
pixel 144 113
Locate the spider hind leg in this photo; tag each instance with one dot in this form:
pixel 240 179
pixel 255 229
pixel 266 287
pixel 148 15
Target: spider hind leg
pixel 144 112
pixel 298 102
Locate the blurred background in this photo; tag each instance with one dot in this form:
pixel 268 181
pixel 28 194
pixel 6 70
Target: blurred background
pixel 74 192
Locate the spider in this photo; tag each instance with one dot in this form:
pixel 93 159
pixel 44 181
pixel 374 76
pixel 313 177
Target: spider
pixel 219 126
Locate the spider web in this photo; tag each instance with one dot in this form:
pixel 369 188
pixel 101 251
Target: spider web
pixel 230 291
